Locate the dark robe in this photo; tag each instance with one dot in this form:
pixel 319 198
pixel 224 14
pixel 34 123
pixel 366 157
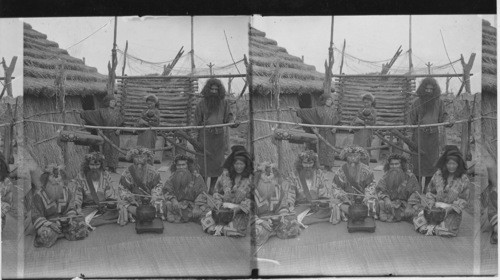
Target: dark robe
pixel 325 116
pixel 213 140
pixel 147 138
pixel 106 117
pixel 429 137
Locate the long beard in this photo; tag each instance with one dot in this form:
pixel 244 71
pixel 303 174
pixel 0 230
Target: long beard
pixel 212 102
pixel 140 172
pixel 95 174
pixel 53 190
pixel 307 173
pixel 394 178
pixel 182 178
pixel 352 171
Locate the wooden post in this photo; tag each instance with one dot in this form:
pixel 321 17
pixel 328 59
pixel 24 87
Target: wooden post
pixel 250 130
pixel 61 94
pixel 192 47
pixel 210 65
pixel 387 67
pixel 8 74
pixel 342 59
pixel 429 64
pixel 7 137
pixel 410 63
pixel 447 85
pixel 327 85
pixel 125 58
pixel 465 139
pixel 114 63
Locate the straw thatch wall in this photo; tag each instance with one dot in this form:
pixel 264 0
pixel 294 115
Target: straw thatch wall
pixel 41 59
pixel 296 77
pixel 489 89
pixel 392 97
pixel 49 152
pixel 177 101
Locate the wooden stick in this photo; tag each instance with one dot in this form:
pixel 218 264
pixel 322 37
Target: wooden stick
pixel 45 140
pixel 111 143
pixel 405 139
pixel 180 146
pixel 393 145
pixel 326 142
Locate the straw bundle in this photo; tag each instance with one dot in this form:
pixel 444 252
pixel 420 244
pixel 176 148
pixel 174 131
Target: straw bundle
pixel 296 77
pixel 489 89
pixel 41 61
pixel 48 152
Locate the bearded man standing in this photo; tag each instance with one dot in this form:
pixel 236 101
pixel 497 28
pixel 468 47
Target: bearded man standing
pixel 137 184
pixel 95 194
pixel 397 191
pixel 427 109
pixel 213 109
pixel 181 190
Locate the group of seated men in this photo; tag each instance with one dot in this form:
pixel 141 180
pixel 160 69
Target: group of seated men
pixel 282 205
pixel 63 207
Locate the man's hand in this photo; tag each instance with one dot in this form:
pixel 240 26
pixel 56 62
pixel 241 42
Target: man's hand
pixel 55 226
pixel 267 225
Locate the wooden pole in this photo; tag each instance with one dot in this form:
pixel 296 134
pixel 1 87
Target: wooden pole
pixel 410 51
pixel 250 108
pixel 8 74
pixel 429 64
pixel 125 58
pixel 62 95
pixel 342 59
pixel 192 46
pixel 327 87
pixel 465 139
pixel 210 65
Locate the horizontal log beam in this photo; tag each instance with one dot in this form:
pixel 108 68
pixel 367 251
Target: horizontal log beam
pixel 400 76
pixel 177 77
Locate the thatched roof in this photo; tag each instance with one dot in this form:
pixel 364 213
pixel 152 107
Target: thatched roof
pixel 489 58
pixel 41 59
pixel 295 76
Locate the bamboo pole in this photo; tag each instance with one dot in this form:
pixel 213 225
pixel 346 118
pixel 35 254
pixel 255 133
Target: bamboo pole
pixel 410 66
pixel 8 74
pixel 399 76
pixel 192 46
pixel 181 76
pixel 342 60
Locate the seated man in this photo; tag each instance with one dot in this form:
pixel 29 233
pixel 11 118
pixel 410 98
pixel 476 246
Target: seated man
pixel 181 190
pixel 354 178
pixel 137 184
pixel 397 191
pixel 308 191
pixel 5 188
pixel 53 213
pixel 95 193
pixel 272 214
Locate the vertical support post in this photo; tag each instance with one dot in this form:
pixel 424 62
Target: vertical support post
pixel 61 93
pixel 125 58
pixel 419 160
pixel 342 59
pixel 465 140
pixel 250 108
pixel 192 46
pixel 429 64
pixel 8 74
pixel 410 66
pixel 114 62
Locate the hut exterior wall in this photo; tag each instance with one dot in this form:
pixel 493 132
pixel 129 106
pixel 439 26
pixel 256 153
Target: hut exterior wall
pixel 174 95
pixel 48 151
pixel 489 126
pixel 265 149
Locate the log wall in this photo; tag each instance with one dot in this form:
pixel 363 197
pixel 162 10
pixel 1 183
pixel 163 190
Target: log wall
pixel 392 97
pixel 177 99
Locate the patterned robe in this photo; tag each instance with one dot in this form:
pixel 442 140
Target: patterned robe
pixel 403 198
pixel 358 185
pixel 238 193
pixel 106 117
pixel 454 192
pixel 186 198
pixel 46 213
pixel 130 185
pixel 6 197
pixel 271 208
pixel 323 115
pixel 214 136
pixel 429 136
pixel 363 137
pixel 84 203
pixel 300 196
pixel 147 138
